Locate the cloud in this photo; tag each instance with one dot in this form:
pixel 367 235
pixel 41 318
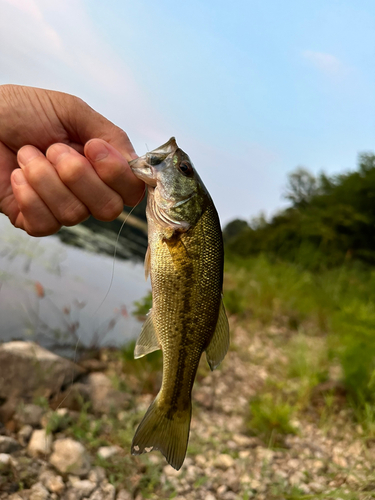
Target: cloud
pixel 326 63
pixel 56 45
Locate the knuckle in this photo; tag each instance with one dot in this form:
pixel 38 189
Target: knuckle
pixel 73 214
pixel 110 210
pixel 71 170
pixel 34 172
pixel 112 174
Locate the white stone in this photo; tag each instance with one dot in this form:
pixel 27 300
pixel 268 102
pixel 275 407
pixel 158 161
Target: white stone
pixel 317 487
pixel 108 451
pixel 96 474
pixel 52 482
pixel 171 472
pixel 224 461
pixel 24 434
pixel 200 460
pixel 105 492
pixel 84 487
pixel 103 396
pixel 124 495
pixel 69 456
pixel 38 492
pixel 242 440
pixel 40 443
pixel 5 462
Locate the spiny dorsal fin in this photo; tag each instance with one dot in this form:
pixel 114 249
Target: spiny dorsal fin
pixel 147 341
pixel 219 344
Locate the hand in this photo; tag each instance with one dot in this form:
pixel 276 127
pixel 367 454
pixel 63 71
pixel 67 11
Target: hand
pixel 74 162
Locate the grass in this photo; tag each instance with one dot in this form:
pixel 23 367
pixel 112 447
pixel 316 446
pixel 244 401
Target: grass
pixel 270 418
pixel 337 305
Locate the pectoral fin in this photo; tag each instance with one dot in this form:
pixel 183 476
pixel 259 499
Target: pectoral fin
pixel 219 344
pixel 147 262
pixel 147 341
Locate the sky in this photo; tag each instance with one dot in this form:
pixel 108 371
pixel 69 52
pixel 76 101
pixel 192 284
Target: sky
pixel 251 90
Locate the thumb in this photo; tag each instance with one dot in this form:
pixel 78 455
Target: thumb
pixel 84 123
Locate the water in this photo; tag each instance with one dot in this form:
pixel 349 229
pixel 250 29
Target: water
pixel 53 293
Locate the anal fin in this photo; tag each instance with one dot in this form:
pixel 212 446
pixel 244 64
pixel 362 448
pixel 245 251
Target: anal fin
pixel 218 347
pixel 147 341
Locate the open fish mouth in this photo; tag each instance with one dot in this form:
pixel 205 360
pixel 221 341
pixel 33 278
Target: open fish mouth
pixel 143 170
pixel 147 166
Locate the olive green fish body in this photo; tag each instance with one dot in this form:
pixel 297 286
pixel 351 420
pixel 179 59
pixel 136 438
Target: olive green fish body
pixel 186 275
pixel 185 260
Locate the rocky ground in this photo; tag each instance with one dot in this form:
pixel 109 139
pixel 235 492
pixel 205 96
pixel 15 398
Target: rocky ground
pixel 74 444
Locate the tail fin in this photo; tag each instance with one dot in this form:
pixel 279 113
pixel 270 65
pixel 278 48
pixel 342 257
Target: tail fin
pixel 164 431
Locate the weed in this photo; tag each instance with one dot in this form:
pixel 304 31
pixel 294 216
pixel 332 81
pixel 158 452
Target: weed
pixel 270 418
pixel 335 304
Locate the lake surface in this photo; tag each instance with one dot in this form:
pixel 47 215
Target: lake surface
pixel 58 294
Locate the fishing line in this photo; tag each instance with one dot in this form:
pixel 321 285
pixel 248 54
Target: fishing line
pixel 109 288
pixel 116 244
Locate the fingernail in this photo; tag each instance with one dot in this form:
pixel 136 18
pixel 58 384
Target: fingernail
pixel 96 151
pixel 27 153
pixel 18 177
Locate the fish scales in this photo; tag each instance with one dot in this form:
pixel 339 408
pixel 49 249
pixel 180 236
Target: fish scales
pixel 192 295
pixel 185 260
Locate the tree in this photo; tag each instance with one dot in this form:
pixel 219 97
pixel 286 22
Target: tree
pixel 301 187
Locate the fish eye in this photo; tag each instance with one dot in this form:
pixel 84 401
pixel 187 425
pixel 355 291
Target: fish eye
pixel 186 169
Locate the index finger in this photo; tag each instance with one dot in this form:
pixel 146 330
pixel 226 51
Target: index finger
pixel 114 170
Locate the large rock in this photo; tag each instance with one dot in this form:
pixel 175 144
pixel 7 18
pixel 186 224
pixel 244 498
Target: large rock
pixel 28 370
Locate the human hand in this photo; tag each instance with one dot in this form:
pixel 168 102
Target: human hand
pixel 84 169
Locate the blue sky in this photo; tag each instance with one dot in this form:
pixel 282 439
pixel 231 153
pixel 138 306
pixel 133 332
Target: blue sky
pixel 251 90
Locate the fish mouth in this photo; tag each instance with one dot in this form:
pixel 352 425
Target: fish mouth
pixel 147 166
pixel 143 170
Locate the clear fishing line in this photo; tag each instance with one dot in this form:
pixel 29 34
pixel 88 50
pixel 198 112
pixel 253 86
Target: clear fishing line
pixel 109 287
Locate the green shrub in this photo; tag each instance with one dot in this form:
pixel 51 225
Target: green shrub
pixel 270 418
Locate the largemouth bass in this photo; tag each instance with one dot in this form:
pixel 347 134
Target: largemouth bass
pixel 185 260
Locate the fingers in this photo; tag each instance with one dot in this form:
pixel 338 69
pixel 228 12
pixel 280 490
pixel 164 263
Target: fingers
pixel 34 216
pixel 114 171
pixel 64 187
pixel 42 177
pixel 77 174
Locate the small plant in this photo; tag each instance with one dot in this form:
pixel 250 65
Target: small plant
pixel 270 418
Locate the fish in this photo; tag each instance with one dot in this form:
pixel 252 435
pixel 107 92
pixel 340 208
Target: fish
pixel 185 258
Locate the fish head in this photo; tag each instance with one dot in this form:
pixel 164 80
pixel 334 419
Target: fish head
pixel 177 191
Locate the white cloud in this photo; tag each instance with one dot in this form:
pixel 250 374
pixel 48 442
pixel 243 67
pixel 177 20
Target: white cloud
pixel 56 45
pixel 326 63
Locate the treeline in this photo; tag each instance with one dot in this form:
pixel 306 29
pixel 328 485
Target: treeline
pixel 331 220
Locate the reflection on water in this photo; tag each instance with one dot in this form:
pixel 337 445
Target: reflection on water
pixel 56 294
